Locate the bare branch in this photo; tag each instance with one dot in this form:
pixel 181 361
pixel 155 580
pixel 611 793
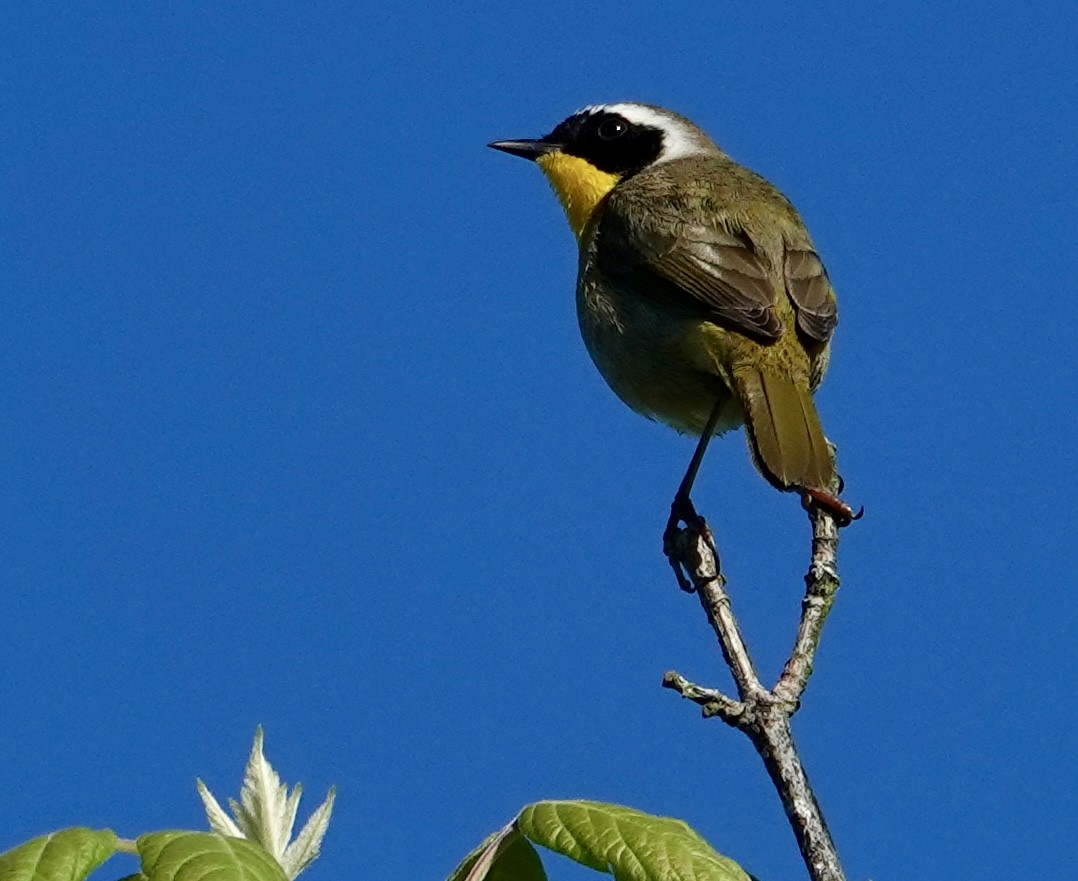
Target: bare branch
pixel 696 554
pixel 762 714
pixel 821 585
pixel 714 703
pixel 775 744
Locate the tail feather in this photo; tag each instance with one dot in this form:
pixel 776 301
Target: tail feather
pixel 785 434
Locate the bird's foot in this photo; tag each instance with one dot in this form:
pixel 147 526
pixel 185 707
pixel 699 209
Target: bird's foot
pixel 682 510
pixel 844 515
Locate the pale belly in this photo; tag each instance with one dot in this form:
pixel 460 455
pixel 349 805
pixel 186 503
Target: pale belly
pixel 647 357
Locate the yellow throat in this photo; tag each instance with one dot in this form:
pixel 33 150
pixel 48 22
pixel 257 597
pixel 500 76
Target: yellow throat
pixel 578 184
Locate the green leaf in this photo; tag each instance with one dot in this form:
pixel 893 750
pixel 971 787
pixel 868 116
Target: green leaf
pixel 67 855
pixel 504 856
pixel 630 845
pixel 204 856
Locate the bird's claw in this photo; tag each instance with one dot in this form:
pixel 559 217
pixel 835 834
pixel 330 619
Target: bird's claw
pixel 843 514
pixel 682 511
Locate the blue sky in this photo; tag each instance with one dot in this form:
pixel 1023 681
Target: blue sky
pixel 297 429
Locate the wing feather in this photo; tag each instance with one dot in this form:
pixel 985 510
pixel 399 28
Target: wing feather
pixel 810 290
pixel 708 269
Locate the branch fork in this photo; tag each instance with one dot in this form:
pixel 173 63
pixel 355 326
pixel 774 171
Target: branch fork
pixel 764 714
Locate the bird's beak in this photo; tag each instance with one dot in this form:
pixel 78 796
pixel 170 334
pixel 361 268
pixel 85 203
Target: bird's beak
pixel 526 149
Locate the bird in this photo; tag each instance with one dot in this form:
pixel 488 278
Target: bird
pixel 700 296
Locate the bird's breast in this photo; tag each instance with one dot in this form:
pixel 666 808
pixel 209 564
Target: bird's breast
pixel 649 355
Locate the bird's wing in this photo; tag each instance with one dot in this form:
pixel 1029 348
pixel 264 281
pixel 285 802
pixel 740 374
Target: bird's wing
pixel 810 290
pixel 711 269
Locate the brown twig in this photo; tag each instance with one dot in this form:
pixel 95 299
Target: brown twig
pixel 763 714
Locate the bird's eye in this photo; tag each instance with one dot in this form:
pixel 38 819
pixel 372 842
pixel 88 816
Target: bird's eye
pixel 612 128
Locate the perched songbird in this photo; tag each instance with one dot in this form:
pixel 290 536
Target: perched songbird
pixel 700 295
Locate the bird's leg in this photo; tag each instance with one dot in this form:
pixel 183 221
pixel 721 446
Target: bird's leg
pixel 682 509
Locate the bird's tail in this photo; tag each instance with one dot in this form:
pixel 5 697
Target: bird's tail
pixel 785 434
